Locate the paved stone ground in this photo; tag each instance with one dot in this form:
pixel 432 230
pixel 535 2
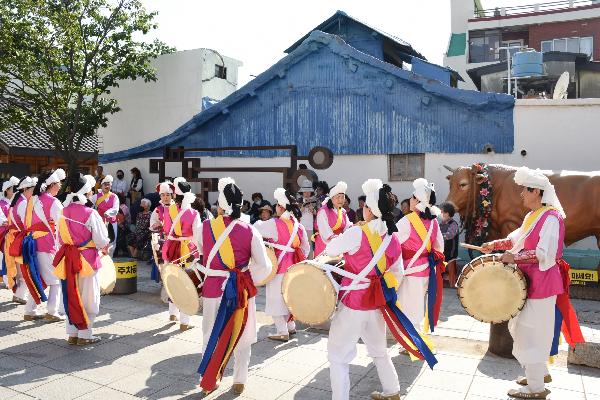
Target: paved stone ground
pixel 141 355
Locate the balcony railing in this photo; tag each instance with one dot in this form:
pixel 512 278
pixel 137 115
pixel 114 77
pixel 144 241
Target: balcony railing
pixel 561 5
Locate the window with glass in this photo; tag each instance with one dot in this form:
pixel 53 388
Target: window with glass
pixel 406 167
pixel 483 46
pixel 583 45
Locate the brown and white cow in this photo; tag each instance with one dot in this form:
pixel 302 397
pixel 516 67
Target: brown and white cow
pixel 579 194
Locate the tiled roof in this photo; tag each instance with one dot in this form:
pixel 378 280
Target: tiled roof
pixel 15 138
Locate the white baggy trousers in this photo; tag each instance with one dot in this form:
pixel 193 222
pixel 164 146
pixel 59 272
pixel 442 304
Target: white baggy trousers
pixel 241 353
pixel 347 327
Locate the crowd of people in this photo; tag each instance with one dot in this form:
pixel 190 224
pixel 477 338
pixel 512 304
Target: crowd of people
pixel 53 246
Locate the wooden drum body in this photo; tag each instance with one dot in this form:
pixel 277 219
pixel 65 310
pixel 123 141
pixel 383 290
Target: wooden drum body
pixel 183 287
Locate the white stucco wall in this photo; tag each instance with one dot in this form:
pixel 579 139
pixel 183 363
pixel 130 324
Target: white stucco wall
pixel 154 109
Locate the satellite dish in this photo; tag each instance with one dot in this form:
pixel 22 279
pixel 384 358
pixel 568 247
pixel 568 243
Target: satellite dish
pixel 562 86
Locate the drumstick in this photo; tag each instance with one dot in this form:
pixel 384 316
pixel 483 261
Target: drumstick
pixel 471 247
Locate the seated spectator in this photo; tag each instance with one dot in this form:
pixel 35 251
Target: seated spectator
pixel 257 203
pixel 140 238
pixel 349 212
pixel 124 208
pixel 245 206
pixel 265 213
pixel 122 229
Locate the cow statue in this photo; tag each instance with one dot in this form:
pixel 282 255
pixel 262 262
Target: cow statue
pixel 577 192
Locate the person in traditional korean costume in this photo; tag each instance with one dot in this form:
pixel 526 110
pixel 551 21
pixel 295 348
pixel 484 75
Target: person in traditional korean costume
pixel 182 227
pixel 421 289
pixel 235 257
pixel 82 234
pixel 30 279
pixel 40 215
pixel 290 242
pixel 166 190
pixel 107 204
pixel 11 274
pixel 536 247
pixel 373 258
pixel 331 217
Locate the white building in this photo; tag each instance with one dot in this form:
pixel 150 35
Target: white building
pixel 154 109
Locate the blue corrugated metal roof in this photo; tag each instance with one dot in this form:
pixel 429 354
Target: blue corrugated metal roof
pixel 341 15
pixel 330 94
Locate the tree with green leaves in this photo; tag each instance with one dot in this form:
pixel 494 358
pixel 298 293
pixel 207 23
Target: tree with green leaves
pixel 59 60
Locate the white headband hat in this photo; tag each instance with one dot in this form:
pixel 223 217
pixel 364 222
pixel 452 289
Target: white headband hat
pixel 176 183
pixel 166 187
pixel 55 177
pixel 107 179
pixel 339 187
pixel 371 190
pixel 280 197
pixel 13 181
pixel 79 196
pixel 27 182
pixel 222 200
pixel 282 200
pixel 538 180
pixel 422 193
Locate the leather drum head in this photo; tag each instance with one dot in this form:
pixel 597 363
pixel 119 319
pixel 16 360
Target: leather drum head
pixel 180 288
pixel 107 275
pixel 308 293
pixel 273 274
pixel 491 291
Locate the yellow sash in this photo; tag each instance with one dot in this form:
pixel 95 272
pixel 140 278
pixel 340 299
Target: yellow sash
pixel 290 226
pixel 374 242
pixel 533 216
pixel 225 252
pixel 29 213
pixel 99 200
pixel 420 228
pixel 11 262
pixel 338 223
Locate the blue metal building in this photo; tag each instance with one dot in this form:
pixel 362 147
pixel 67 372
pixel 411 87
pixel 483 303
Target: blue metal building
pixel 347 90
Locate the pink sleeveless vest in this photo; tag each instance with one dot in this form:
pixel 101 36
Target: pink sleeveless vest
pixel 45 244
pixel 106 205
pixel 543 284
pixel 332 219
pixel 414 243
pixel 357 261
pixel 79 232
pixel 187 221
pixel 4 205
pixel 241 240
pixel 283 237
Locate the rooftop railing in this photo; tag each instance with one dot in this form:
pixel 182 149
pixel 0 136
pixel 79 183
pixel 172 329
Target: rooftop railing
pixel 560 5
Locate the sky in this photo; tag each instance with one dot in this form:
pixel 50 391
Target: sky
pixel 257 32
